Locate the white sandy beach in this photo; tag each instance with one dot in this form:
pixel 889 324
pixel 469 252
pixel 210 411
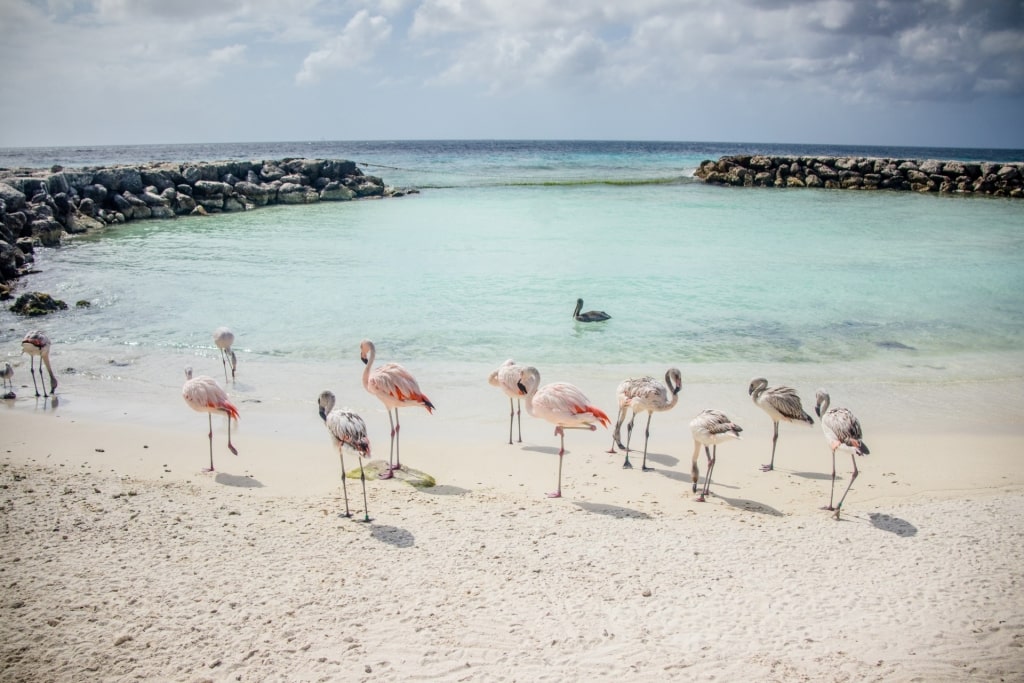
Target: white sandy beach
pixel 121 560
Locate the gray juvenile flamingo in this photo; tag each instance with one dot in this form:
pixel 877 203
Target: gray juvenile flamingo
pixel 842 432
pixel 781 404
pixel 710 428
pixel 348 430
pixel 644 394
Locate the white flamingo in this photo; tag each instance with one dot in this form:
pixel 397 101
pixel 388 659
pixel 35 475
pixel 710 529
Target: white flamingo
pixel 395 387
pixel 563 405
pixel 506 378
pixel 710 428
pixel 644 394
pixel 348 430
pixel 224 338
pixel 8 376
pixel 204 395
pixel 589 316
pixel 781 403
pixel 35 344
pixel 842 432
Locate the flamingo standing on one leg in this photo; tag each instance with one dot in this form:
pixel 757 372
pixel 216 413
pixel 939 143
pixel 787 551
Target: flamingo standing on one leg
pixel 224 339
pixel 562 404
pixel 842 432
pixel 589 316
pixel 204 395
pixel 347 430
pixel 8 376
pixel 35 344
pixel 644 394
pixel 506 378
pixel 395 387
pixel 781 403
pixel 710 428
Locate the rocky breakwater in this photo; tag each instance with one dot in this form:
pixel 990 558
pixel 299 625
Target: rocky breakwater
pixel 866 173
pixel 38 207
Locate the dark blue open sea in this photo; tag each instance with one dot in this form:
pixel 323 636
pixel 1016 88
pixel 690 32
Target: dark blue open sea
pixel 486 262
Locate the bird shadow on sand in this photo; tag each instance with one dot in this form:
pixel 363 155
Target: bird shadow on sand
pixel 238 480
pixel 543 449
pixel 660 458
pixel 900 527
pixel 749 505
pixel 814 475
pixel 612 511
pixel 445 490
pixel 392 535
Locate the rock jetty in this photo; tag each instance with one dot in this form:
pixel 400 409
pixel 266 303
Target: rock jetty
pixel 866 173
pixel 38 207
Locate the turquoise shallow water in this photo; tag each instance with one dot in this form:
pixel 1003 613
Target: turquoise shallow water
pixel 487 261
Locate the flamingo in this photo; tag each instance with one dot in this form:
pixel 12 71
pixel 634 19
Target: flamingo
pixel 644 394
pixel 8 376
pixel 589 316
pixel 563 405
pixel 710 428
pixel 347 429
pixel 224 338
pixel 35 344
pixel 781 403
pixel 395 387
pixel 842 432
pixel 506 378
pixel 204 395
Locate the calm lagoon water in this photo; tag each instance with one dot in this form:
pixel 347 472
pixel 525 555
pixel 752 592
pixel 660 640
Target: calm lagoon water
pixel 486 262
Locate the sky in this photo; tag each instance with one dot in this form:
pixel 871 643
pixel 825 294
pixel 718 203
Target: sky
pixel 946 73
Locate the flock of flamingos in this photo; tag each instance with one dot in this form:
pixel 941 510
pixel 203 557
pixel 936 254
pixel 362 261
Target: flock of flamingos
pixel 560 403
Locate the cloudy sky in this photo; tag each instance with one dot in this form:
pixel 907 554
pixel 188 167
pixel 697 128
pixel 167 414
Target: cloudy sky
pixel 889 72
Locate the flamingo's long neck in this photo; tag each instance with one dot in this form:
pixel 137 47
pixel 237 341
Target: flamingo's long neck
pixel 369 365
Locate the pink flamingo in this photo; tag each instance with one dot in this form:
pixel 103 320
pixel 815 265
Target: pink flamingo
pixel 347 430
pixel 224 338
pixel 35 344
pixel 842 432
pixel 506 378
pixel 781 403
pixel 710 428
pixel 204 395
pixel 395 387
pixel 563 405
pixel 644 394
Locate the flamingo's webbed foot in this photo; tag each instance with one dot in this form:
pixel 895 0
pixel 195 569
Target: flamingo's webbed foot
pixel 555 494
pixel 645 468
pixel 767 468
pixel 386 474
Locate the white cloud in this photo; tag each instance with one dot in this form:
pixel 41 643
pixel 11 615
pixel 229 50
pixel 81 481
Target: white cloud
pixel 356 44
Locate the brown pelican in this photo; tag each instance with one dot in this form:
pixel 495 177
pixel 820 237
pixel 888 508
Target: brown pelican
pixel 589 316
pixel 781 403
